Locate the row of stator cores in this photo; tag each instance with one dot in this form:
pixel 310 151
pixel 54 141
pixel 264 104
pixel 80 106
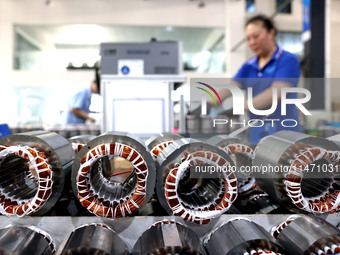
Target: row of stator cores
pixel 195 180
pixel 297 235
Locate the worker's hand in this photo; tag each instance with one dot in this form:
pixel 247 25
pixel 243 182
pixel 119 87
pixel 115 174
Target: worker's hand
pixel 91 119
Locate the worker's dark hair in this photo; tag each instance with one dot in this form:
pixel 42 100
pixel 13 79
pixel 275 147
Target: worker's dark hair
pixel 97 76
pixel 267 22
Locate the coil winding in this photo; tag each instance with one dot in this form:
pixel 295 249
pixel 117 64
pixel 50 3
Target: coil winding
pixel 158 143
pixel 308 235
pixel 33 166
pixel 241 152
pixel 306 174
pixel 97 192
pixel 201 198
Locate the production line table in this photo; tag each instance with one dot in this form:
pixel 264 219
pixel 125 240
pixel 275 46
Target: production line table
pixel 131 228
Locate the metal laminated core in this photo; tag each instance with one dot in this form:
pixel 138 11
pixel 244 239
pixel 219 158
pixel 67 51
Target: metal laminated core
pixel 96 225
pixel 22 240
pixel 100 186
pixel 241 152
pixel 299 169
pixel 25 180
pixel 162 222
pixel 46 236
pixel 123 199
pixel 308 235
pixel 189 203
pixel 244 153
pixel 306 189
pixel 158 143
pixel 200 199
pixel 94 239
pixel 241 236
pixel 168 237
pixel 275 231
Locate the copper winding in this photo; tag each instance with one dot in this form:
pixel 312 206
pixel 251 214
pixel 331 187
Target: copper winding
pixel 238 148
pixel 77 147
pixel 329 248
pixel 101 206
pixel 327 202
pixel 247 185
pixel 260 252
pixel 155 151
pixel 201 215
pixel 10 206
pixel 335 249
pixel 258 145
pixel 277 230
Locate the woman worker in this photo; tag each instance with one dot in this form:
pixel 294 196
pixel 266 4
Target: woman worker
pixel 276 68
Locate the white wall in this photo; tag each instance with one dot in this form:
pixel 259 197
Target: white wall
pixel 284 22
pixel 222 13
pixel 131 12
pixel 235 22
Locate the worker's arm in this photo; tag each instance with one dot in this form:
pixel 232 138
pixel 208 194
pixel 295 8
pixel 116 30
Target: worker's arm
pixel 264 100
pixel 81 114
pixel 225 93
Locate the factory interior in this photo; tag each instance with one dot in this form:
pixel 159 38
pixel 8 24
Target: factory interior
pixel 154 127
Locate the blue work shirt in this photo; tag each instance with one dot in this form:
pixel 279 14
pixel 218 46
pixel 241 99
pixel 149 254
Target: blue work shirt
pixel 82 101
pixel 282 67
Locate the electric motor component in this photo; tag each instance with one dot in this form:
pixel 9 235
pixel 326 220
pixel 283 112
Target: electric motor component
pixel 80 141
pixel 157 144
pixel 192 124
pixel 277 229
pixel 33 166
pixel 21 240
pixel 168 237
pixel 94 239
pixel 241 236
pixel 301 169
pixel 308 235
pixel 199 198
pixel 165 221
pixel 260 203
pixel 241 152
pixel 91 175
pixel 206 124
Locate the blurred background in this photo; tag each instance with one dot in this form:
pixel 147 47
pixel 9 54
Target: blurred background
pixel 49 48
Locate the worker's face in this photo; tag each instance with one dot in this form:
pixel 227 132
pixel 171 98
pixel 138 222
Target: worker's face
pixel 259 39
pixel 94 88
